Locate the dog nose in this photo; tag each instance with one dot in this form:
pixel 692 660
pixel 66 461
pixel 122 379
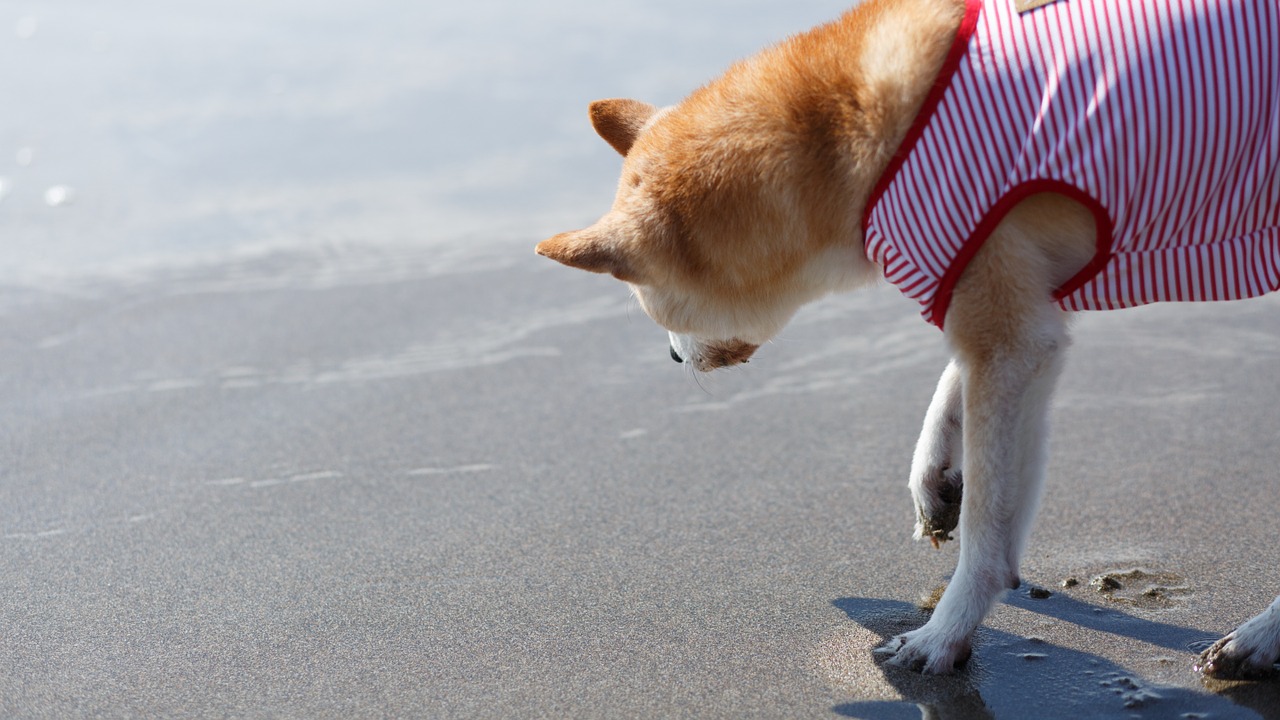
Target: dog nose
pixel 675 355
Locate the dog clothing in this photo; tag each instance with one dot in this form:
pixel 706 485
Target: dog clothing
pixel 1161 116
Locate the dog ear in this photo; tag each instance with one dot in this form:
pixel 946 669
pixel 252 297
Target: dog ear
pixel 619 121
pixel 591 250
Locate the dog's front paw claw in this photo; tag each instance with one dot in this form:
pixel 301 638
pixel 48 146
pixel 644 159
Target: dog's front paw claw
pixel 925 653
pixel 1229 659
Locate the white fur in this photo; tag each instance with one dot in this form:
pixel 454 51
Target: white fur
pixel 1005 438
pixel 940 450
pixel 1000 435
pixel 687 347
pixel 702 320
pixel 1252 649
pixel 837 269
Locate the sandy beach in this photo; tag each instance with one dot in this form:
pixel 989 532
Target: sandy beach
pixel 490 493
pixel 333 442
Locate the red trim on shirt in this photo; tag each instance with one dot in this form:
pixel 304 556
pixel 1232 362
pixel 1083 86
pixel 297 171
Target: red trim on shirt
pixel 959 48
pixel 942 299
pixel 1103 225
pixel 1192 190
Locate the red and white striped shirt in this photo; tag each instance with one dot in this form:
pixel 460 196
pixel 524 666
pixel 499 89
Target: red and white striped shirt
pixel 1161 116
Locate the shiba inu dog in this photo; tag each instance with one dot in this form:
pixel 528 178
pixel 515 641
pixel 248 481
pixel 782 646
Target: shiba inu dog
pixel 1002 165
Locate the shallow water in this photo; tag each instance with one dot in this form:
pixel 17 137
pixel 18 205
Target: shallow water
pixel 138 133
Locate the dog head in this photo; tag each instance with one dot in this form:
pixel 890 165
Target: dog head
pixel 730 214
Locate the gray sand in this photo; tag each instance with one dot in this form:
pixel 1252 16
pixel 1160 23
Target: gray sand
pixel 293 422
pixel 272 490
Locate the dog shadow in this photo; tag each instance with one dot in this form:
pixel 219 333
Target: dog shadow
pixel 1016 677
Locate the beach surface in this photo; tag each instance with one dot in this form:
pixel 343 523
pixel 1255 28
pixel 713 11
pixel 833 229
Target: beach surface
pixel 295 423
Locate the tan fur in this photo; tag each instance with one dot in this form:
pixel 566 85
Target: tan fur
pixel 620 121
pixel 726 199
pixel 1040 245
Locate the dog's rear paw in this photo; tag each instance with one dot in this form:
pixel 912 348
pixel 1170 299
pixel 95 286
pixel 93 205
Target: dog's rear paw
pixel 937 494
pixel 927 651
pixel 1233 658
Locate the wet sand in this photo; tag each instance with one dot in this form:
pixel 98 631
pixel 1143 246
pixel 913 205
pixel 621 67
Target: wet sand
pixel 295 424
pixel 353 487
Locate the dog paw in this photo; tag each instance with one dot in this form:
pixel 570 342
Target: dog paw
pixel 1234 658
pixel 937 493
pixel 927 651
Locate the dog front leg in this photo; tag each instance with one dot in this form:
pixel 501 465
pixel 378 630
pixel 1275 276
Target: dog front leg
pixel 1006 400
pixel 1249 652
pixel 936 478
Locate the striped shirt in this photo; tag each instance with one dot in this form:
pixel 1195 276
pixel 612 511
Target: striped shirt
pixel 1160 116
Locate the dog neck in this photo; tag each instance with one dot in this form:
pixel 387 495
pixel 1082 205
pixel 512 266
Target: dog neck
pixel 859 82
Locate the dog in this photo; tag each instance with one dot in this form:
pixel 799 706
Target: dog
pixel 1003 162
